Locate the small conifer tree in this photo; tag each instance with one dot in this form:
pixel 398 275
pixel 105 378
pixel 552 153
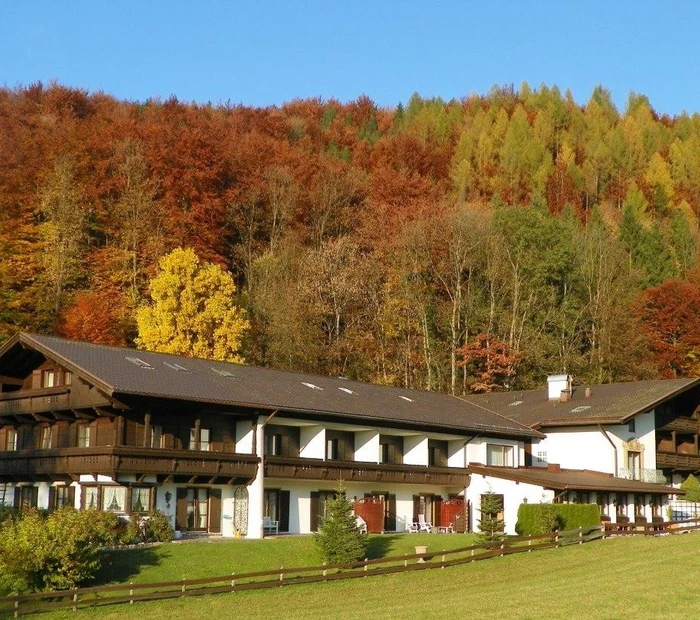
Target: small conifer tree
pixel 491 525
pixel 340 540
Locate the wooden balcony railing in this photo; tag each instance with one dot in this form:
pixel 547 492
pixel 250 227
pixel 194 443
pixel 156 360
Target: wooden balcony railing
pixel 114 460
pixel 683 425
pixel 674 460
pixel 353 471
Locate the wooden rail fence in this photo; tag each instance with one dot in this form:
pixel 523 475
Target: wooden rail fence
pixel 134 592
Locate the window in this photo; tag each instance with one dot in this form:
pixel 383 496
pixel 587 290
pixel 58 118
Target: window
pixel 48 378
pixel 204 435
pixel 386 455
pixel 91 497
pixel 113 499
pixel 500 456
pixel 141 499
pixel 28 497
pixel 63 496
pixel 273 445
pixel 542 456
pixel 46 437
pixel 156 438
pixel 332 449
pixel 631 426
pixel 620 505
pixel 12 443
pixel 83 436
pixel 272 504
pixel 437 453
pixel 634 464
pixel 67 378
pixel 201 443
pixel 639 502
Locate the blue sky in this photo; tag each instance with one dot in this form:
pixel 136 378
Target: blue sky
pixel 265 53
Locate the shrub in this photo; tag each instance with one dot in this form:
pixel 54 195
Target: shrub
pixel 58 551
pixel 340 540
pixel 156 527
pixel 691 486
pixel 543 518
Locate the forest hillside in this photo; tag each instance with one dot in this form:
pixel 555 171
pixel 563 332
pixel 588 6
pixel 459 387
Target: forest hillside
pixel 459 246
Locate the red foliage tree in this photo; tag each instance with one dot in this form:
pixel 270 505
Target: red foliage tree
pixel 669 319
pixel 492 363
pixel 94 317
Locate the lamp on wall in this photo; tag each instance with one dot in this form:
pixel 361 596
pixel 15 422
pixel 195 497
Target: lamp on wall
pixel 168 497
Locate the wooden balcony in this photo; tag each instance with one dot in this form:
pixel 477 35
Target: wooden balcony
pixel 674 460
pixel 353 471
pixel 175 465
pixel 682 425
pixel 47 400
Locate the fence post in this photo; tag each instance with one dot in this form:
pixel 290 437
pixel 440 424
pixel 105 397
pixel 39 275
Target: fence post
pixel 16 605
pixel 405 559
pixel 529 544
pixel 443 559
pixel 281 574
pixel 325 572
pixel 75 599
pixel 580 534
pixel 131 593
pixel 184 585
pixel 365 568
pixel 233 580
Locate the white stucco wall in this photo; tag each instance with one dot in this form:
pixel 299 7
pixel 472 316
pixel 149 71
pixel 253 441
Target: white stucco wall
pixel 367 446
pixel 415 450
pixel 244 437
pixel 300 498
pixel 587 448
pixel 312 442
pixel 514 494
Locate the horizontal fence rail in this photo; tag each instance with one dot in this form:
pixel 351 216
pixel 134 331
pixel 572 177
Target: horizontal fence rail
pixel 135 592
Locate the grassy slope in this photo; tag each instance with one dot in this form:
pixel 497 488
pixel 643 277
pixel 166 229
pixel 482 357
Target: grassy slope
pixel 646 578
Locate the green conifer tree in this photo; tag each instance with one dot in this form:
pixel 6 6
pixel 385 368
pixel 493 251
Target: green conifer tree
pixel 340 540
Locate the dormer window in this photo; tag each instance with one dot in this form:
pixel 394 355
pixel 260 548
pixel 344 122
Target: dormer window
pixel 48 378
pixel 67 378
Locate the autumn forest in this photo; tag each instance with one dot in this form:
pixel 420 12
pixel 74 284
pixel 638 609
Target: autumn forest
pixel 470 245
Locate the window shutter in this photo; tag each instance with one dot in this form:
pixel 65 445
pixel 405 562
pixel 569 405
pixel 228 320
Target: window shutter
pixel 215 511
pixel 71 497
pixel 181 509
pixel 35 497
pixel 313 526
pixel 17 498
pixel 52 498
pixel 390 513
pixel 284 511
pixel 416 507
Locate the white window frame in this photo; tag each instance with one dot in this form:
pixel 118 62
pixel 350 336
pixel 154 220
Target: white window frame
pixel 507 453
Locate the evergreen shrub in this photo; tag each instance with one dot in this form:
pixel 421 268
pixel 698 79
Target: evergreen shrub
pixel 543 518
pixel 340 541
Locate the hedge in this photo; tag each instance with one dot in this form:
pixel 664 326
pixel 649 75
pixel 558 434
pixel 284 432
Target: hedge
pixel 542 518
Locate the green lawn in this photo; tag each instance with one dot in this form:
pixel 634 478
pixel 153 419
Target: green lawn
pixel 616 578
pixel 190 560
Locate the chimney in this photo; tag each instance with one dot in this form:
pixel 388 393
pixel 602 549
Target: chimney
pixel 565 395
pixel 553 467
pixel 587 392
pixel 557 385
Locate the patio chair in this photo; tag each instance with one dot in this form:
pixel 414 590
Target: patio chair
pixel 270 526
pixel 361 524
pixel 412 527
pixel 423 525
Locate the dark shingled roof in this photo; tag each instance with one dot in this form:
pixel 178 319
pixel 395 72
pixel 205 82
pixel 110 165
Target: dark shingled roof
pixel 206 381
pixel 572 479
pixel 612 403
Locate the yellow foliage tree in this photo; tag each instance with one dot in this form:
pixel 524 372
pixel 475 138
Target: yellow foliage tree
pixel 192 310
